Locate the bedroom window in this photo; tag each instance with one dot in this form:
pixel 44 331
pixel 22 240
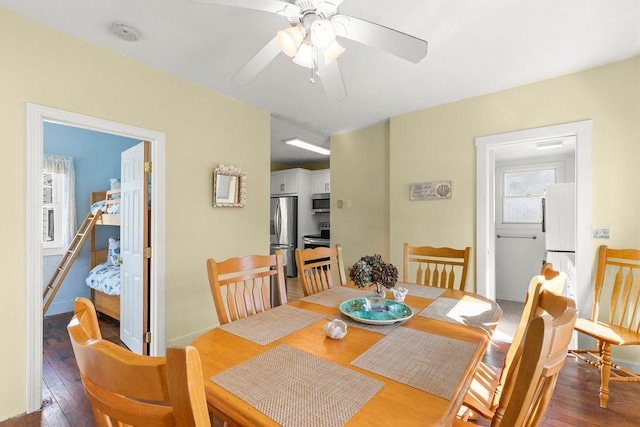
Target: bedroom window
pixel 521 191
pixel 58 203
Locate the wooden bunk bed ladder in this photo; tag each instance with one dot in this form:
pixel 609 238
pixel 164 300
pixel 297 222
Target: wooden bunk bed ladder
pixel 69 257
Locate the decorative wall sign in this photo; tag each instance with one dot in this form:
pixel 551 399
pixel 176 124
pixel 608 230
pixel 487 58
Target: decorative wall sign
pixel 430 190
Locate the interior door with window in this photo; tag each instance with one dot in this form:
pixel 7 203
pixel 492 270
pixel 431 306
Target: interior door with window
pixel 134 240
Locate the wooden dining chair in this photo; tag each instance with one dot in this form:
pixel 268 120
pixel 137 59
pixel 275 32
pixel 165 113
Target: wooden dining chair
pixel 439 267
pixel 317 266
pixel 555 280
pixel 241 287
pixel 128 389
pixel 617 284
pixel 485 392
pixel 534 373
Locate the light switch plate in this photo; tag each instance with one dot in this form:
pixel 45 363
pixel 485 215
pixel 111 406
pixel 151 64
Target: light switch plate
pixel 600 232
pixel 339 203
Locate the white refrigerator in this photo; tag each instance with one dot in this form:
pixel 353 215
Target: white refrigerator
pixel 559 227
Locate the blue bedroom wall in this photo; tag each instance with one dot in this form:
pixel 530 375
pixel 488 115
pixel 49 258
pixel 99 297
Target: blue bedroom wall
pixel 96 160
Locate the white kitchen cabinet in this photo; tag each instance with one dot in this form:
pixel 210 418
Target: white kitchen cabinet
pixel 321 181
pixel 285 182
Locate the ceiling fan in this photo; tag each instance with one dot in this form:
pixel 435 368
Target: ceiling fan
pixel 310 40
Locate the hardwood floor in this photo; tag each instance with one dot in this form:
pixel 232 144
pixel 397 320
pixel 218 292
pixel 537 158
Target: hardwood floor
pixel 574 402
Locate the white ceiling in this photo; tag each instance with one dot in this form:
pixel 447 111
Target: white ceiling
pixel 475 47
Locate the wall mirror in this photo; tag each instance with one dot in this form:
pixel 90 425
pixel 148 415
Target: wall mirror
pixel 229 185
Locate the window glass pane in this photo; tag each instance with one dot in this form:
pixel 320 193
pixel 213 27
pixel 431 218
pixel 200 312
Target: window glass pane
pixel 522 210
pixel 525 183
pixel 48 225
pixel 522 194
pixel 47 188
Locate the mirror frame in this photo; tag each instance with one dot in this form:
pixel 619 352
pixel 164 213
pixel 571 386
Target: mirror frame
pixel 241 187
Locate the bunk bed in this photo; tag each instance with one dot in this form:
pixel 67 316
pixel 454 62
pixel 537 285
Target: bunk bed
pixel 104 278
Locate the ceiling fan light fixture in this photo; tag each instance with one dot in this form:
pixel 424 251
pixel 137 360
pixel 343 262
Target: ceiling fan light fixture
pixel 301 143
pixel 290 39
pixel 332 52
pixel 323 34
pixel 305 55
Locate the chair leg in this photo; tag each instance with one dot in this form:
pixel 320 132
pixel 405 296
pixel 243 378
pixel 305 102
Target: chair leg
pixel 605 372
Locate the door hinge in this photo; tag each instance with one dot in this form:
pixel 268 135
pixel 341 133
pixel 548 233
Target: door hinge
pixel 147 337
pixel 147 252
pixel 148 167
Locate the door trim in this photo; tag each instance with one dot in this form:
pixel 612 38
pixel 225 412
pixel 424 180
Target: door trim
pixel 486 147
pixel 36 115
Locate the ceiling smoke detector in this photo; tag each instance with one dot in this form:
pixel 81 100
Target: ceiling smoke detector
pixel 125 32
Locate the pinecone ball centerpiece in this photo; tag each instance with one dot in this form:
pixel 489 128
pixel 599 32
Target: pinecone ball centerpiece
pixel 371 270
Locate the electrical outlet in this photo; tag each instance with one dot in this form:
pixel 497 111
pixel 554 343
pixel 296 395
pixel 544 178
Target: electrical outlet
pixel 340 204
pixel 600 232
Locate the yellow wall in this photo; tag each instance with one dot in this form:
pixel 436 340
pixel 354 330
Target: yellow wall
pixel 360 174
pixel 438 144
pixel 47 67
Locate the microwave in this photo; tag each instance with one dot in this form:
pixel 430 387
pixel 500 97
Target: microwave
pixel 320 202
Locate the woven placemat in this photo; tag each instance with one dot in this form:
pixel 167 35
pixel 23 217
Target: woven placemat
pixel 295 388
pixel 268 326
pixel 428 362
pixel 478 314
pixel 334 297
pixel 422 290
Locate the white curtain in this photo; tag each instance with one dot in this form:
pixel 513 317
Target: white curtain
pixel 63 166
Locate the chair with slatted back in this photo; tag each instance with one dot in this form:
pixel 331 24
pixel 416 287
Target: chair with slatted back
pixel 536 364
pixel 241 287
pixel 128 389
pixel 317 266
pixel 484 393
pixel 617 323
pixel 439 267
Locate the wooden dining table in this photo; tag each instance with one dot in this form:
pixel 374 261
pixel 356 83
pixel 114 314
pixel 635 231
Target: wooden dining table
pixel 280 368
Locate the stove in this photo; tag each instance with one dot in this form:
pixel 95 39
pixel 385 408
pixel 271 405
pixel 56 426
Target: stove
pixel 321 239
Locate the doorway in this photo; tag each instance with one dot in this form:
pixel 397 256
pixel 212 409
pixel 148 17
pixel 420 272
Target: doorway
pixel 487 148
pixel 36 116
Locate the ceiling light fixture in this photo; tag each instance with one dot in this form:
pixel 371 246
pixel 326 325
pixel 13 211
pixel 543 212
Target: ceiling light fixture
pixel 312 35
pixel 300 143
pixel 545 145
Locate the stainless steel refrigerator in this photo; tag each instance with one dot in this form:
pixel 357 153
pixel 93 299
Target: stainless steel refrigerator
pixel 284 230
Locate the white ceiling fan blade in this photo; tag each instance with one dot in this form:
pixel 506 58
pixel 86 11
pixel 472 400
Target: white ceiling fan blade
pixel 394 42
pixel 257 63
pixel 331 79
pixel 265 5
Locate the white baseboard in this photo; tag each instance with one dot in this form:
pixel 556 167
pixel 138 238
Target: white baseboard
pixel 630 365
pixel 187 339
pixel 58 307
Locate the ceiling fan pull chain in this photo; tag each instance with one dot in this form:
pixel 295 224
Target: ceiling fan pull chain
pixel 314 64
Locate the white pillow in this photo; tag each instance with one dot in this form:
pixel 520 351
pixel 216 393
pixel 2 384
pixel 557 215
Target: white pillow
pixel 113 256
pixel 115 185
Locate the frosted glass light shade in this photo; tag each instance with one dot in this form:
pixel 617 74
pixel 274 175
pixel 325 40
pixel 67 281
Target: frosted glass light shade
pixel 305 55
pixel 323 34
pixel 332 52
pixel 290 39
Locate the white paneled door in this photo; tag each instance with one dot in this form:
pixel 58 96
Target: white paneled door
pixel 134 240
